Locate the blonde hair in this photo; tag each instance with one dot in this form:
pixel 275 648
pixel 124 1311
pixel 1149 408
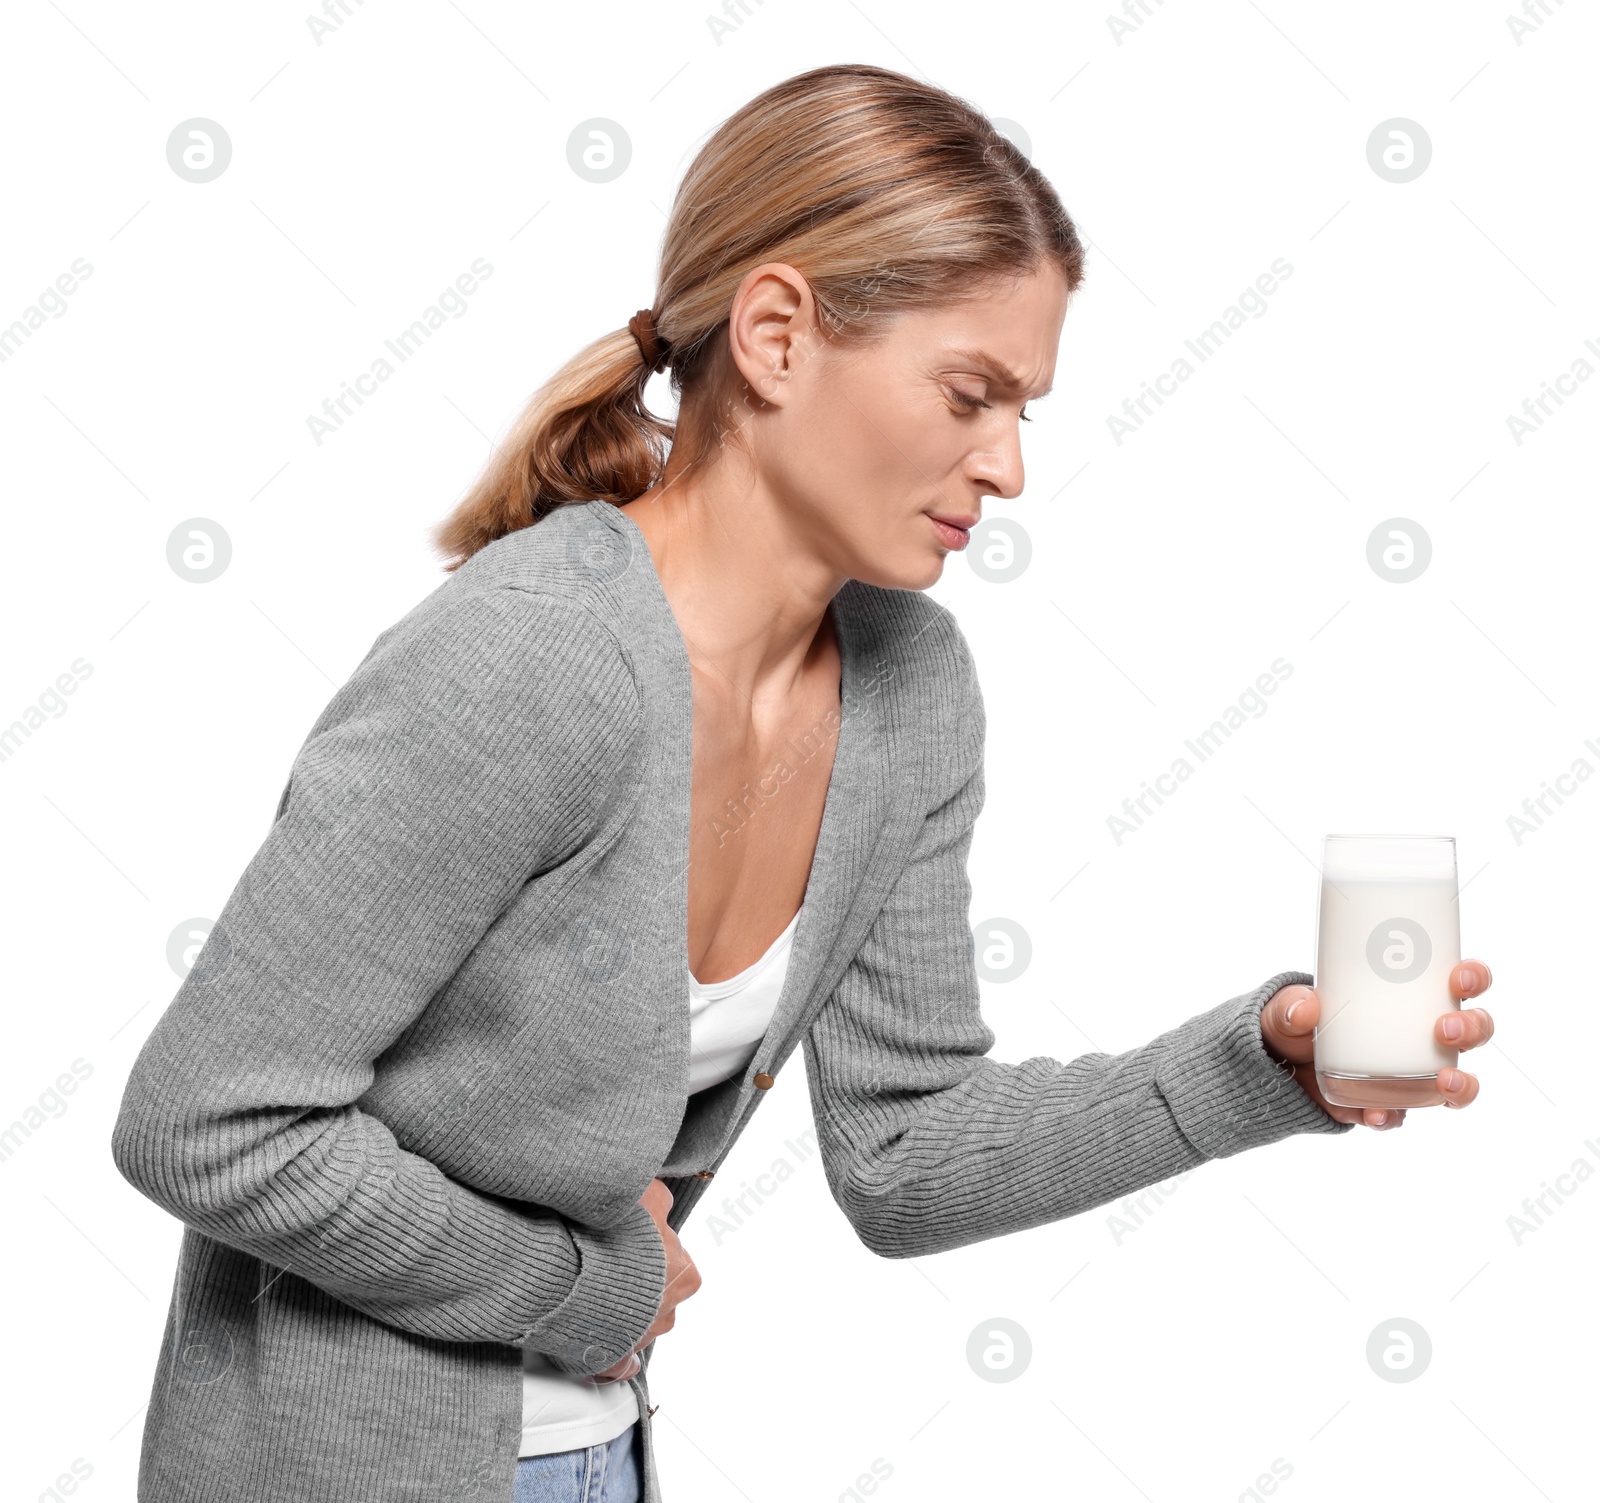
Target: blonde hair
pixel 885 193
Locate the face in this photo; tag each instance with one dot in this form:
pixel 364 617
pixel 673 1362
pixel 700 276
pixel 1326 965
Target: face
pixel 882 454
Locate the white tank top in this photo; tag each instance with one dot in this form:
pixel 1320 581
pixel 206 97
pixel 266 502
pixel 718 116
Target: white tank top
pixel 727 1020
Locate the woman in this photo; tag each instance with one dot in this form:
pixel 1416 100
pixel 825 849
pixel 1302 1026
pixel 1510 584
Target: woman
pixel 675 772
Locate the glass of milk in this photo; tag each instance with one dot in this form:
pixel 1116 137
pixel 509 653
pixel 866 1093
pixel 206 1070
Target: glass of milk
pixel 1388 936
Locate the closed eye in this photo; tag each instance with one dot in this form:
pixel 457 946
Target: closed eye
pixel 972 403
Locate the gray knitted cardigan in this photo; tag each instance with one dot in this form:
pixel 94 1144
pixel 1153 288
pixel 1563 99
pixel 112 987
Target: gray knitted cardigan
pixel 436 1044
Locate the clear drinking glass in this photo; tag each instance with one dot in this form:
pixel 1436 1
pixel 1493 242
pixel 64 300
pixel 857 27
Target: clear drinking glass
pixel 1388 936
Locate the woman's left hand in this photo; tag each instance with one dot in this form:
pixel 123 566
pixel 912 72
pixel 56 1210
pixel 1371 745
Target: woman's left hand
pixel 1289 1020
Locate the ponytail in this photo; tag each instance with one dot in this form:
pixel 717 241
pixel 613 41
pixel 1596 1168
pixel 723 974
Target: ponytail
pixel 586 435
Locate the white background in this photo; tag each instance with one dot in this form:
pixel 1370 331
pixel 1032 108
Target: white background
pixel 1230 1330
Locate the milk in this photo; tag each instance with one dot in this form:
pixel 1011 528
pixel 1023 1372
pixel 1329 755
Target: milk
pixel 1388 936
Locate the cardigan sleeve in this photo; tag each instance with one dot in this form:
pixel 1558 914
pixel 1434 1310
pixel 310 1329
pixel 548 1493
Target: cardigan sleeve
pixel 928 1144
pixel 477 744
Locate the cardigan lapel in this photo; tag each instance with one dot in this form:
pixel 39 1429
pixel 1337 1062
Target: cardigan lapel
pixel 854 819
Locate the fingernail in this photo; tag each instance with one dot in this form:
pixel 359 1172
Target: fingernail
pixel 1380 1119
pixel 1291 1010
pixel 1453 1027
pixel 1452 1080
pixel 1469 982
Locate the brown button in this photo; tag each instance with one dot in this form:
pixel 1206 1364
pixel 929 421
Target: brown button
pixel 704 1173
pixel 762 1081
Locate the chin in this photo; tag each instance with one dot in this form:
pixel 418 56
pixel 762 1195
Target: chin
pixel 930 574
pixel 911 573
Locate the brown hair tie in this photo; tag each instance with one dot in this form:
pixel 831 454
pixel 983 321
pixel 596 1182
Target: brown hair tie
pixel 651 345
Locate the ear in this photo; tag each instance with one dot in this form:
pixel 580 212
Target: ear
pixel 772 329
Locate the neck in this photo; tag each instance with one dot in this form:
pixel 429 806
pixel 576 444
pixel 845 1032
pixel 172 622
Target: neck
pixel 749 589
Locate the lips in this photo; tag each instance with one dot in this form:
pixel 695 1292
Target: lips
pixel 954 531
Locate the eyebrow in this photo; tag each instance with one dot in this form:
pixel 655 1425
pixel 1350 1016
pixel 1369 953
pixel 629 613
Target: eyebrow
pixel 994 367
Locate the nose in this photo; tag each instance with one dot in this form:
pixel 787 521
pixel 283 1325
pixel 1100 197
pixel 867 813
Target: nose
pixel 997 467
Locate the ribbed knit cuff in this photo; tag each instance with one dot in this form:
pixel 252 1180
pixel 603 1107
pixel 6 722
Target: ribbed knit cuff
pixel 1227 1093
pixel 614 1299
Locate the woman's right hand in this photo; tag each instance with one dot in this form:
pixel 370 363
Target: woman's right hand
pixel 683 1279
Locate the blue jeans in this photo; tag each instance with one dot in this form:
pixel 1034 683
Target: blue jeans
pixel 606 1473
